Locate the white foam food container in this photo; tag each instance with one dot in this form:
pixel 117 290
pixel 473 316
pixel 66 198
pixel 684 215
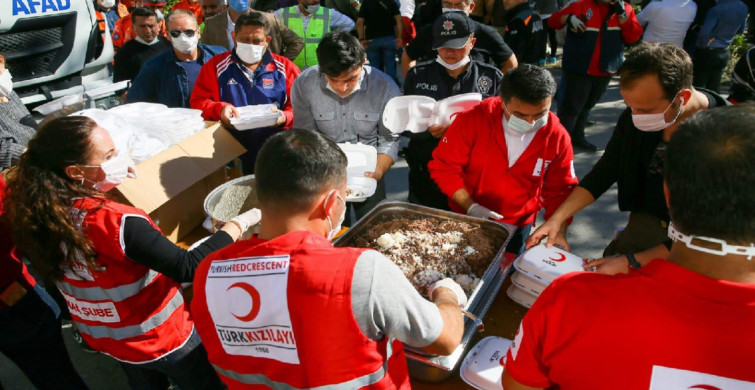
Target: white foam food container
pixel 361 158
pixel 484 364
pixel 446 109
pixel 255 117
pixel 526 283
pixel 545 264
pixel 520 296
pixel 410 112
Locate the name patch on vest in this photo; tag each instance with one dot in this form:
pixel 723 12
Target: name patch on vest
pixel 248 304
pixel 91 311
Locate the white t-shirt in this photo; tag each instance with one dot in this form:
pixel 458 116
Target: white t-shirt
pixel 667 21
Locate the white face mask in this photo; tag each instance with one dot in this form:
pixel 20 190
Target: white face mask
pixel 250 54
pixel 312 9
pixel 462 62
pixel 444 10
pixel 656 122
pixel 356 88
pixel 185 44
pixel 116 171
pixel 334 229
pixel 522 126
pixel 6 83
pixel 107 3
pixel 142 41
pixel 726 248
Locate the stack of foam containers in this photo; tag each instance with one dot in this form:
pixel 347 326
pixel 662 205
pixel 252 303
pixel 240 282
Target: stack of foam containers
pixel 536 268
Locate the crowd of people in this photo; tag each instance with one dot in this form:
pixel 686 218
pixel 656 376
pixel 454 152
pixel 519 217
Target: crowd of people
pixel 670 301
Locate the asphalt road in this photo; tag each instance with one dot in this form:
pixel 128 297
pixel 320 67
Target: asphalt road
pixel 588 235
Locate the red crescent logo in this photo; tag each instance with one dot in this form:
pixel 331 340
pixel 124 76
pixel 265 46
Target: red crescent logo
pixel 255 295
pixel 502 361
pixel 561 258
pixel 704 387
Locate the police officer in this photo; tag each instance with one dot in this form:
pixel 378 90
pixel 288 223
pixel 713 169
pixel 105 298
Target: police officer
pixel 452 73
pixel 524 31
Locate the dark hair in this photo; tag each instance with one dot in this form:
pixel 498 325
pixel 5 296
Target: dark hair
pixel 669 62
pixel 339 52
pixel 710 173
pixel 142 12
pixel 528 83
pixel 253 18
pixel 294 166
pixel 40 196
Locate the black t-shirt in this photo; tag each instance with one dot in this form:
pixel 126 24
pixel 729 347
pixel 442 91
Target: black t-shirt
pixel 129 59
pixel 379 18
pixel 489 48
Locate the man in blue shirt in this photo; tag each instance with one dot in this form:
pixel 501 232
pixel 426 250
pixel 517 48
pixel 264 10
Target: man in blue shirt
pixel 725 20
pixel 169 78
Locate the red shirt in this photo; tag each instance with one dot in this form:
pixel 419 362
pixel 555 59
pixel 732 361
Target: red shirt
pixel 473 155
pixel 593 13
pixel 195 8
pixel 660 325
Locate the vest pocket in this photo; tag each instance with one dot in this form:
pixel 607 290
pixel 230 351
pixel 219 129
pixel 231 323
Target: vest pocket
pixel 365 122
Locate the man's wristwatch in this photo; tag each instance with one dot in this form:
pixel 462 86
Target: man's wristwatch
pixel 633 263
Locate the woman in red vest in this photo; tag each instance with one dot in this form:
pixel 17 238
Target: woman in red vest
pixel 118 274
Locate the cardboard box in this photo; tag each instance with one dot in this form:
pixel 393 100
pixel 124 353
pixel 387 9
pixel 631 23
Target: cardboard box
pixel 172 185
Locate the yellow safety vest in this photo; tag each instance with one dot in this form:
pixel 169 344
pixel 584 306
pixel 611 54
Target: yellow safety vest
pixel 319 25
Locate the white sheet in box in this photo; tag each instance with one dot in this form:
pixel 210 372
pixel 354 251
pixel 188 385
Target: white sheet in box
pixel 520 296
pixel 361 158
pixel 545 264
pixel 255 117
pixel 528 284
pixel 483 366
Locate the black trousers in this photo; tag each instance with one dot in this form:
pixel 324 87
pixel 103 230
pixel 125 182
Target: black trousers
pixel 550 41
pixel 362 208
pixel 580 94
pixel 709 65
pixel 422 188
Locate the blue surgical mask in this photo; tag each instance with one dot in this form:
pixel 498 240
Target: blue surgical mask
pixel 522 126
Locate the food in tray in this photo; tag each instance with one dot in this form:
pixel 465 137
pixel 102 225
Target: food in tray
pixel 352 193
pixel 430 249
pixel 235 200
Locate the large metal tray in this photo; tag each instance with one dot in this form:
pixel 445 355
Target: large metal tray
pixel 423 365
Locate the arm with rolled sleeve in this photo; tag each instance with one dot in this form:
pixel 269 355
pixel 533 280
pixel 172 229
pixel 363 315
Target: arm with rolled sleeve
pixel 303 118
pixel 206 93
pixel 451 155
pixel 340 22
pixel 631 31
pixel 387 142
pixel 559 179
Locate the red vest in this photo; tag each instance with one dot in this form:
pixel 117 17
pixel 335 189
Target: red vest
pixel 278 314
pixel 122 308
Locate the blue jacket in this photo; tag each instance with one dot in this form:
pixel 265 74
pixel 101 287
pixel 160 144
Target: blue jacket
pixel 726 19
pixel 163 80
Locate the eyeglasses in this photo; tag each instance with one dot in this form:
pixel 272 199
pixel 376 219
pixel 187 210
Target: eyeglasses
pixel 177 33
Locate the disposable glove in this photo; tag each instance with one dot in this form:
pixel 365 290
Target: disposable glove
pixel 617 7
pixel 451 285
pixel 479 211
pixel 248 219
pixel 575 24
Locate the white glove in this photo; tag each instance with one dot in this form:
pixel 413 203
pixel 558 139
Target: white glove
pixel 248 219
pixel 575 24
pixel 451 285
pixel 479 211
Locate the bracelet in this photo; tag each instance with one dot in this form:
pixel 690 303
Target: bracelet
pixel 633 263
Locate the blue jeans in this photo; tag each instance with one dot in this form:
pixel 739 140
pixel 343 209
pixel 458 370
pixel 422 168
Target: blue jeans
pixel 30 337
pixel 186 367
pixel 382 55
pixel 516 244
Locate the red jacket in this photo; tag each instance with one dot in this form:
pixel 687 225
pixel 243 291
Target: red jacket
pixel 279 312
pixel 122 308
pixel 222 81
pixel 604 47
pixel 473 155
